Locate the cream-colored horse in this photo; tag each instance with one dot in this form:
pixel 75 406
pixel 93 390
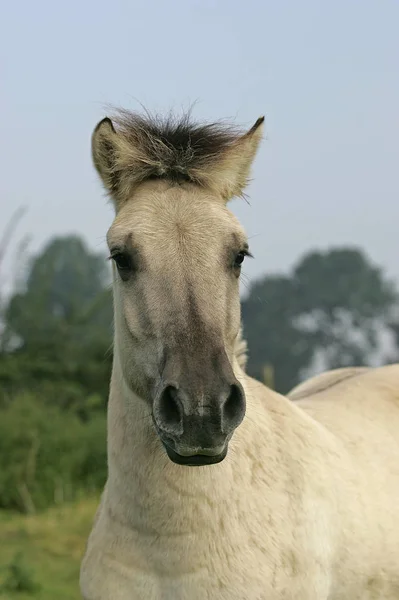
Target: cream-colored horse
pixel 290 499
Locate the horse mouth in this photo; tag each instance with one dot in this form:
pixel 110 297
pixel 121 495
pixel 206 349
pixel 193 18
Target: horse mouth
pixel 196 460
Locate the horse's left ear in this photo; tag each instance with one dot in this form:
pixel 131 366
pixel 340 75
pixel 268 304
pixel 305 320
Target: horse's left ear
pixel 231 172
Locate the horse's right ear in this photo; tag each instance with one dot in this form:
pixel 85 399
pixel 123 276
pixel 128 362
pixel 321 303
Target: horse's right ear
pixel 116 159
pixel 104 147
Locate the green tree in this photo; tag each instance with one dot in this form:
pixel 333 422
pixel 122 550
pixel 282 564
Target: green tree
pixel 344 302
pixel 65 297
pixel 333 305
pixel 47 455
pixel 58 329
pixel 268 315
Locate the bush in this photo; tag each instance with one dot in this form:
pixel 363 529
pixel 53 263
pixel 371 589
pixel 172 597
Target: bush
pixel 48 455
pixel 19 577
pixel 67 378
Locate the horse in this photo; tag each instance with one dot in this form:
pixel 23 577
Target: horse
pixel 219 487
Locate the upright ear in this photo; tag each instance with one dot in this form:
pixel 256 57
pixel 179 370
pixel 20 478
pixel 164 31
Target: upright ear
pixel 109 149
pixel 126 156
pixel 103 148
pixel 230 173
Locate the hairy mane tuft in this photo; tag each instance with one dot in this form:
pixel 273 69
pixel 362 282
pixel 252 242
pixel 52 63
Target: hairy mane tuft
pixel 172 147
pixel 131 148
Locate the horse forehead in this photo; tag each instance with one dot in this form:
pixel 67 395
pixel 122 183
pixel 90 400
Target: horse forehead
pixel 183 217
pixel 175 223
pixel 175 226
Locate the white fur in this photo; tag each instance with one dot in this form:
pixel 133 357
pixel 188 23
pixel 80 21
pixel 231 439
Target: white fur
pixel 306 504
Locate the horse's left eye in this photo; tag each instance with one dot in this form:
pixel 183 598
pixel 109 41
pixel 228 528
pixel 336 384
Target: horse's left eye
pixel 239 259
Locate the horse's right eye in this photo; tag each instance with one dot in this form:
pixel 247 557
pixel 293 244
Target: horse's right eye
pixel 122 261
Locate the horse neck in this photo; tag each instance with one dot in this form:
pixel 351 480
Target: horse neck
pixel 145 486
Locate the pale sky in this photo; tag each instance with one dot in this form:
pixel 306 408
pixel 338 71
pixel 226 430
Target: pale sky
pixel 325 74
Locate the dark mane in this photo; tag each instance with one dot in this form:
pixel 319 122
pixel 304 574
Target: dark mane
pixel 171 147
pixel 130 148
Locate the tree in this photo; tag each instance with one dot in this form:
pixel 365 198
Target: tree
pixel 58 329
pixel 65 298
pixel 268 316
pixel 333 306
pixel 54 378
pixel 344 304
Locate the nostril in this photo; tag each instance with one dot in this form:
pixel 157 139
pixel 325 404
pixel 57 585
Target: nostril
pixel 233 410
pixel 168 410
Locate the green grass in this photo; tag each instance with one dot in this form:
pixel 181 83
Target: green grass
pixel 50 546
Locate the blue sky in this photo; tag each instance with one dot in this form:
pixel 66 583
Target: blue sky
pixel 325 74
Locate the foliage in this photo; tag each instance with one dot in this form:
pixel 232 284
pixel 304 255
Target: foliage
pixel 55 364
pixel 268 316
pixel 63 378
pixel 19 577
pixel 57 336
pixel 64 297
pixel 333 305
pixel 346 301
pixel 53 544
pixel 48 456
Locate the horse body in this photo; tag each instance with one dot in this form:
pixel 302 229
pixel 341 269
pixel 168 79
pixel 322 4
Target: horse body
pixel 300 508
pixel 361 412
pixel 292 497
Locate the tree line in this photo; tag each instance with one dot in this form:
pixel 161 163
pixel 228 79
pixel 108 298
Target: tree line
pixel 334 308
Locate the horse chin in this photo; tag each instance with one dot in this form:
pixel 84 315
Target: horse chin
pixel 197 460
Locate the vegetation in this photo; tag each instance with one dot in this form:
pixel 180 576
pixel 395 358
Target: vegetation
pixel 334 307
pixel 48 456
pixel 54 376
pixel 40 554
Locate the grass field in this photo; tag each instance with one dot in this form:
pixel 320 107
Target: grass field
pixel 50 547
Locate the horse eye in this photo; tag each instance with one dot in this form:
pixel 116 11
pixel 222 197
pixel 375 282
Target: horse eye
pixel 122 261
pixel 239 259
